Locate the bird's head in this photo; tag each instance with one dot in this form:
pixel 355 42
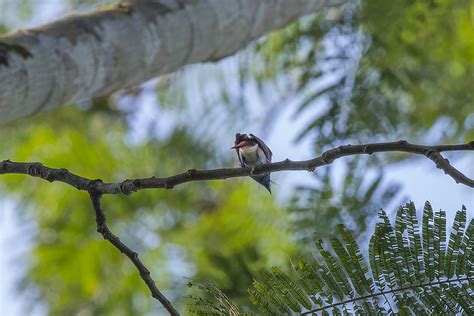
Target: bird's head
pixel 243 140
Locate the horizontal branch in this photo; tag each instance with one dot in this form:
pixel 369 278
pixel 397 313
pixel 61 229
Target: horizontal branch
pixel 132 185
pixel 96 188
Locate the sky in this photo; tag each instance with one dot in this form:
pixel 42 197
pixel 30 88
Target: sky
pixel 420 179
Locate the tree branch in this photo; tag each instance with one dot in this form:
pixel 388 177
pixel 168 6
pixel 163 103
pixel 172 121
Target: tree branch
pixel 132 185
pixel 96 188
pixel 104 230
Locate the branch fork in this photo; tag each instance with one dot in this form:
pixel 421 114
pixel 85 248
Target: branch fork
pixel 97 188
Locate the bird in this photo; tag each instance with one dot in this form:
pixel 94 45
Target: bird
pixel 252 151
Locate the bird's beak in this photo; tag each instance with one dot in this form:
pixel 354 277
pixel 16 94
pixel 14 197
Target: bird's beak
pixel 238 145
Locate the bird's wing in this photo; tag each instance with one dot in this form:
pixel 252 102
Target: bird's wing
pixel 268 153
pixel 240 158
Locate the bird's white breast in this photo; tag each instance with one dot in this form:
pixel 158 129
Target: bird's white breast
pixel 253 155
pixel 249 150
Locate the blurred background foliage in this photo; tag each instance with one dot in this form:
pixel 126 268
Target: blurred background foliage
pixel 364 72
pixel 401 68
pixel 189 231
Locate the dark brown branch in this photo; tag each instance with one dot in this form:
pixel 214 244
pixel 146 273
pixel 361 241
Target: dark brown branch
pixel 132 185
pixel 97 188
pixel 104 230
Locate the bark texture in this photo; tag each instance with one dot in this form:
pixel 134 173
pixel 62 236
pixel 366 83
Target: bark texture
pixel 125 44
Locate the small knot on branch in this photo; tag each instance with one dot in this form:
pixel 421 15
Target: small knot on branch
pixel 53 175
pixel 402 142
pixel 311 167
pixel 127 186
pixel 34 169
pixel 471 144
pixel 191 172
pixel 4 163
pixel 287 161
pixel 50 176
pixel 101 229
pixel 93 187
pixel 168 186
pixel 367 149
pixel 326 158
pixel 430 152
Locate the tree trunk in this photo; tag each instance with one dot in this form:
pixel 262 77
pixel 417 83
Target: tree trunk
pixel 123 45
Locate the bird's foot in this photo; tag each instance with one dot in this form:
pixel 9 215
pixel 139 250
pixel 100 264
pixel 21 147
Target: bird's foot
pixel 252 171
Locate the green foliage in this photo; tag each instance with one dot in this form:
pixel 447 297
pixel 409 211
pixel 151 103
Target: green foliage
pixel 427 49
pixel 70 262
pixel 352 202
pixel 224 305
pixel 378 70
pixel 211 228
pixel 245 243
pixel 411 272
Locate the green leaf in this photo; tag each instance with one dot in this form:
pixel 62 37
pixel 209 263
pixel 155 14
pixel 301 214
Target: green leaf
pixel 416 254
pixel 455 242
pixel 428 240
pixel 342 284
pixel 439 234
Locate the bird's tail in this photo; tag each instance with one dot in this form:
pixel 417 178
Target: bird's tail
pixel 264 180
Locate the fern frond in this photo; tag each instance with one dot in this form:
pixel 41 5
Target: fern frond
pixel 411 272
pixel 457 297
pixel 311 282
pixel 330 281
pixel 201 306
pixel 270 296
pixel 455 241
pixel 428 240
pixel 335 271
pixel 440 243
pixel 402 289
pixel 404 266
pixel 466 251
pixel 355 275
pixel 263 304
pixel 290 289
pixel 416 251
pixel 374 262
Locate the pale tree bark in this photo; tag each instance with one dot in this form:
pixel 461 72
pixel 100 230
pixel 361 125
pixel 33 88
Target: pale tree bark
pixel 123 45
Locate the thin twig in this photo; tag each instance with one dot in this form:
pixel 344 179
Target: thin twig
pixel 104 230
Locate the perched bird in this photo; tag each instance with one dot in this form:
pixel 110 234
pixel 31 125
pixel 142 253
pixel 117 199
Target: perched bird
pixel 252 151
